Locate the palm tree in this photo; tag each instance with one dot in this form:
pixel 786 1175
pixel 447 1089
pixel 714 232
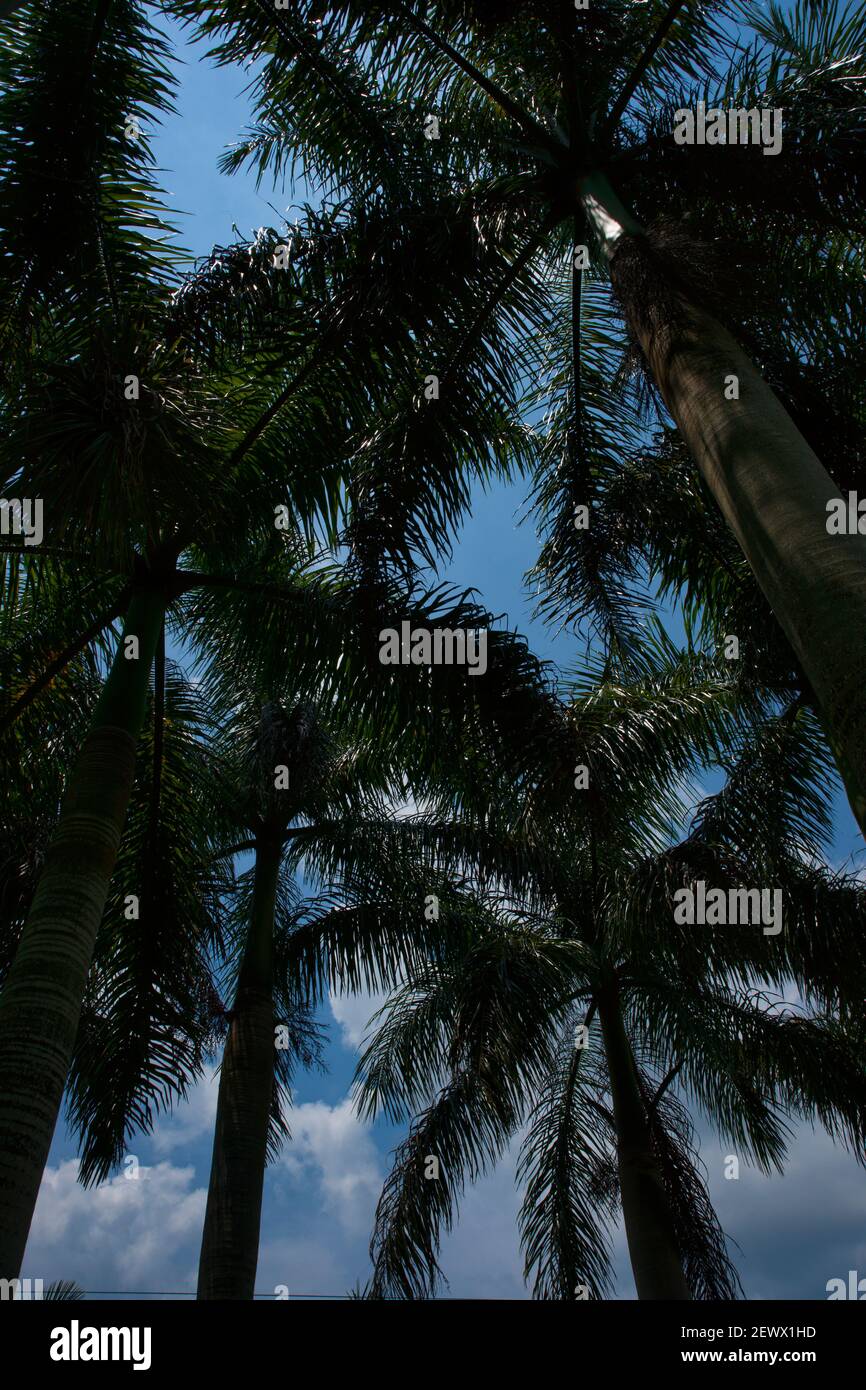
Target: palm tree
pixel 388 945
pixel 305 801
pixel 579 1008
pixel 63 1291
pixel 152 1010
pixel 240 389
pixel 282 768
pixel 42 994
pixel 563 118
pixel 235 387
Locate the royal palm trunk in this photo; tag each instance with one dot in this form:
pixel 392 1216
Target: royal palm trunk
pixel 773 492
pixel 653 1250
pixel 41 1000
pixel 230 1242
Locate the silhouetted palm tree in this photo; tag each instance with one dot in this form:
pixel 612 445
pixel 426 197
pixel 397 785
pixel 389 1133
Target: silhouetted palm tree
pixel 563 119
pixel 581 1010
pixel 164 423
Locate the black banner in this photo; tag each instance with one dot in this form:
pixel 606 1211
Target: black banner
pixel 159 1338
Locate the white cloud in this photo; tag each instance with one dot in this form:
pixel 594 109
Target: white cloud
pixel 320 1197
pixel 332 1142
pixel 353 1013
pixel 190 1120
pixel 127 1233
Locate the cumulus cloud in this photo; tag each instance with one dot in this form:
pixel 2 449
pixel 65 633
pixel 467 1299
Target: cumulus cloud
pixel 794 1233
pixel 330 1145
pixel 353 1013
pixel 137 1232
pixel 191 1120
pixel 340 1156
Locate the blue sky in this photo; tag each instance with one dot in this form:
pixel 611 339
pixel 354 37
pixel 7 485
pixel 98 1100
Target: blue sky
pixel 142 1231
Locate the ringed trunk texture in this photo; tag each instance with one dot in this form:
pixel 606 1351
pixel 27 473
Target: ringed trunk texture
pixel 230 1240
pixel 41 1000
pixel 655 1258
pixel 773 492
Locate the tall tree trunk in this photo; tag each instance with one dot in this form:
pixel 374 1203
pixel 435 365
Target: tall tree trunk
pixel 230 1241
pixel 649 1228
pixel 41 1000
pixel 773 492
